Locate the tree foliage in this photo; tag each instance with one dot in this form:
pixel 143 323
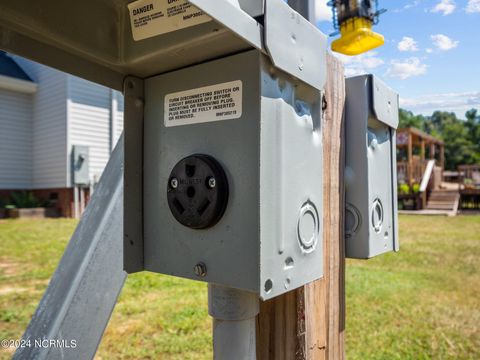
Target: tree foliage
pixel 461 137
pixel 408 119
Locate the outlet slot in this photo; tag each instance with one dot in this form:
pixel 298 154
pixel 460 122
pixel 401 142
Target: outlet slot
pixel 203 207
pixel 179 206
pixel 190 170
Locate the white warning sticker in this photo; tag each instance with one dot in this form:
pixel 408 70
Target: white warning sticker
pixel 205 104
pixel 149 18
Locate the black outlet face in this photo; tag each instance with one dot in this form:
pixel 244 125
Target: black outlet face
pixel 197 191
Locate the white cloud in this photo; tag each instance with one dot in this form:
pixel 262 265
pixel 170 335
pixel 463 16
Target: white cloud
pixel 323 12
pixel 429 50
pixel 443 42
pixel 410 5
pixel 407 6
pixel 361 64
pixel 407 44
pixel 404 69
pixel 473 6
pixel 458 103
pixel 445 6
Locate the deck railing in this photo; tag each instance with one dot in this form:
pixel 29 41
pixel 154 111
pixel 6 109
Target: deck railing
pixel 411 174
pixel 469 176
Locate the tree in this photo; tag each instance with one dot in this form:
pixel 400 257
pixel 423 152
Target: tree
pixel 408 119
pixel 461 137
pixel 473 126
pixel 459 147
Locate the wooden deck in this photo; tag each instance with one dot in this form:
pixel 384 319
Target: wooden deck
pixel 414 149
pixel 428 212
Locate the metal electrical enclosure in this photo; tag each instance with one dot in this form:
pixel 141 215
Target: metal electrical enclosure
pixel 80 165
pixel 259 225
pixel 223 153
pixel 371 119
pixel 267 137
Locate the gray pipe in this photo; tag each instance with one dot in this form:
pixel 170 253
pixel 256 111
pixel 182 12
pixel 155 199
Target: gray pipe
pixel 234 318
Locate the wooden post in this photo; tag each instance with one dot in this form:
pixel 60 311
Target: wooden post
pixel 308 323
pixel 423 167
pixel 432 151
pixel 410 158
pixel 442 156
pixel 422 150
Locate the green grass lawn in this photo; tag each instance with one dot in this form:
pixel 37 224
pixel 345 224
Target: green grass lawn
pixel 422 303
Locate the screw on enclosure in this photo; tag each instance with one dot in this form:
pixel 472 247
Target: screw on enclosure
pixel 200 269
pixel 174 183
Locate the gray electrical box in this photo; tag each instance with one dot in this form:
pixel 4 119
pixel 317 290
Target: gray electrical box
pixel 371 119
pixel 233 165
pixel 80 165
pixel 254 8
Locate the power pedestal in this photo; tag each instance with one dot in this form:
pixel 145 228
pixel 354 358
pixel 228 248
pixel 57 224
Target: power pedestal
pixel 371 120
pixel 233 175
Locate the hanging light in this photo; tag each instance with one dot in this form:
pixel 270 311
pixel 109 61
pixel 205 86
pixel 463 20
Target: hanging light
pixel 354 20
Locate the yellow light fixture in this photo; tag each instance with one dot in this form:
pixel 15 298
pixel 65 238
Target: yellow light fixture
pixel 355 19
pixel 357 37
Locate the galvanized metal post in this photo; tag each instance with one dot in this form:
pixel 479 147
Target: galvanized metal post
pixel 75 309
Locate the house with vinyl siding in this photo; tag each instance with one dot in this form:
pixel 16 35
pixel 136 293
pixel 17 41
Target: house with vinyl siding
pixel 44 113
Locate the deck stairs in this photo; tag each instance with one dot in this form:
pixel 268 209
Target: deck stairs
pixel 446 200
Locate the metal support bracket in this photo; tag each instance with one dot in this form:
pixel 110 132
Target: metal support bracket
pixel 84 289
pixel 294 44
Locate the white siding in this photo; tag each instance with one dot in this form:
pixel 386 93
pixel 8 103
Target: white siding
pixel 49 125
pixel 15 140
pixel 119 117
pixel 68 111
pixel 89 109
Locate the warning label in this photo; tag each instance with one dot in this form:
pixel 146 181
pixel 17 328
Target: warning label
pixel 209 103
pixel 155 17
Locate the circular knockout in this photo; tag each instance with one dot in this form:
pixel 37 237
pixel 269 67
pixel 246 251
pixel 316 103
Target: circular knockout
pixel 352 220
pixel 377 215
pixel 308 227
pixel 197 191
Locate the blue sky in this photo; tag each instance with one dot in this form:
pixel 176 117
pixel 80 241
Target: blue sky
pixel 431 54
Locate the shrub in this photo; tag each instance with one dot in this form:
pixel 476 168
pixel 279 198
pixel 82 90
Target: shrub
pixel 25 200
pixel 403 189
pixel 416 188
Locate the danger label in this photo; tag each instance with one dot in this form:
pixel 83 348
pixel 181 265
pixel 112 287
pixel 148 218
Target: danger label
pixel 149 18
pixel 205 104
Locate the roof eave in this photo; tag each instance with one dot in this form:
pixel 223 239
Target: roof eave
pixel 17 85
